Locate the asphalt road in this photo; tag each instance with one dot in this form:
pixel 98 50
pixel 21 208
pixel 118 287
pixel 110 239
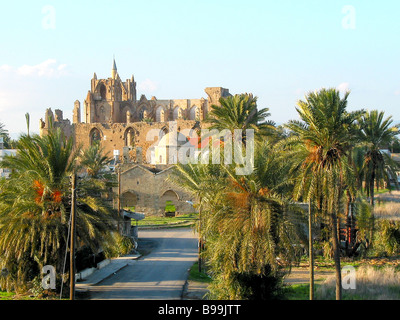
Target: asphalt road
pixel 158 275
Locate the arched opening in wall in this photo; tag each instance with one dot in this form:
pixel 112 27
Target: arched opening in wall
pixel 194 113
pixel 160 114
pixel 143 115
pixel 103 92
pixel 126 114
pixel 177 113
pixel 169 203
pixel 95 136
pixel 128 200
pixel 129 137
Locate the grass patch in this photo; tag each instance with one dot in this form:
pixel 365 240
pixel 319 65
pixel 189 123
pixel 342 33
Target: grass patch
pixel 162 221
pixel 298 291
pixel 7 295
pixel 195 275
pixel 13 296
pixel 169 207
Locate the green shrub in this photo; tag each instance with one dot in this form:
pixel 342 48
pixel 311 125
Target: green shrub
pixel 124 245
pixel 387 238
pixel 248 286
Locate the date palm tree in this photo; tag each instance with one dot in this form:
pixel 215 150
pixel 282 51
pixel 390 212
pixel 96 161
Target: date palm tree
pixel 376 133
pixel 35 208
pixel 94 159
pixel 249 224
pixel 325 136
pixel 240 112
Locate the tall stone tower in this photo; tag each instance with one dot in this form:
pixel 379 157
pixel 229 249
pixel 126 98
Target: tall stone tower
pixel 107 98
pixel 76 114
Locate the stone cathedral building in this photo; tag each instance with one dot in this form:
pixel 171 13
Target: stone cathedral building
pixel 113 114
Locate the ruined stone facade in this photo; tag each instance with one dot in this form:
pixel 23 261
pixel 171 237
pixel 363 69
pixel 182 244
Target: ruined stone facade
pixel 123 124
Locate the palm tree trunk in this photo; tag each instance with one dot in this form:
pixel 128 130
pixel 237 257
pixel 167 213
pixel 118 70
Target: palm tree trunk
pixel 336 256
pixel 371 190
pixel 311 251
pixel 372 202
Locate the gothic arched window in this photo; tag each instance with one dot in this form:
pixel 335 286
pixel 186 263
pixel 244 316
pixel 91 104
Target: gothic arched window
pixel 103 92
pixel 95 136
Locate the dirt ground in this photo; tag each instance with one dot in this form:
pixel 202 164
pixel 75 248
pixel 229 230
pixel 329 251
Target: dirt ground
pixel 302 276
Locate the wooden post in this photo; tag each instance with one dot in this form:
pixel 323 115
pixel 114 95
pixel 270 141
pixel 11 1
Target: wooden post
pixel 73 238
pixel 119 195
pixel 200 237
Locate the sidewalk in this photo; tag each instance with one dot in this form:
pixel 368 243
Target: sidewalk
pixel 194 290
pixel 99 275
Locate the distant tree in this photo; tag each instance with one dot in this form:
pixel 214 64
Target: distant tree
pixel 7 141
pixel 240 112
pixel 94 159
pixel 376 133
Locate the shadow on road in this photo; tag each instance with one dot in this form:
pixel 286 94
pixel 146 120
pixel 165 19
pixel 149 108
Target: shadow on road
pixel 146 246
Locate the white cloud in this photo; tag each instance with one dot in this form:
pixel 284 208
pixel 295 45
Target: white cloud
pixel 47 68
pixel 5 68
pixel 343 87
pixel 148 86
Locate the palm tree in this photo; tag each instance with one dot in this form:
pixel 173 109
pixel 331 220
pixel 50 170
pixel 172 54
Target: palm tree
pixel 240 112
pixel 376 133
pixel 250 226
pixel 94 159
pixel 200 180
pixel 325 137
pixel 35 208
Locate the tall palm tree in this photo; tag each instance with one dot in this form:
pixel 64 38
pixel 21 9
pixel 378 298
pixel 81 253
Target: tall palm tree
pixel 325 136
pixel 201 181
pixel 35 208
pixel 376 133
pixel 250 226
pixel 240 112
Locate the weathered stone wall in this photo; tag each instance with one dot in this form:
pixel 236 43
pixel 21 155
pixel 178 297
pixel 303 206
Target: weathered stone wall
pixel 114 136
pixel 152 189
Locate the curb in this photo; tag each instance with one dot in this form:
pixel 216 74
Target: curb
pixel 115 265
pixel 167 226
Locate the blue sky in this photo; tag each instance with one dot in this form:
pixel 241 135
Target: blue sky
pixel 277 50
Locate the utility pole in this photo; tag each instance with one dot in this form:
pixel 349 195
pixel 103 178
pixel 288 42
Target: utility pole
pixel 119 195
pixel 200 237
pixel 73 238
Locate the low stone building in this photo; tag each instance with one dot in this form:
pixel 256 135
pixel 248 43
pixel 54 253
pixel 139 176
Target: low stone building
pixel 148 190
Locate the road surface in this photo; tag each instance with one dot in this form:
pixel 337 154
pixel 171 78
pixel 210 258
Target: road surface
pixel 158 275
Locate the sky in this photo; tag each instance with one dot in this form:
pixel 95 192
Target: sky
pixel 276 50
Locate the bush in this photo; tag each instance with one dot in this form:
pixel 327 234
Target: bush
pixel 248 286
pixel 387 238
pixel 124 245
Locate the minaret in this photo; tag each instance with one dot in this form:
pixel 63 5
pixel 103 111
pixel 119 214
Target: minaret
pixel 114 70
